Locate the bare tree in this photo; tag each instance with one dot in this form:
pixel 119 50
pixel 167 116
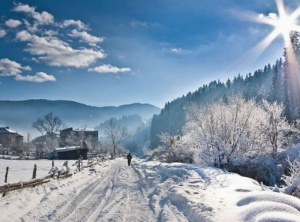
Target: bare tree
pixel 28 145
pixel 39 125
pixel 116 133
pixel 49 125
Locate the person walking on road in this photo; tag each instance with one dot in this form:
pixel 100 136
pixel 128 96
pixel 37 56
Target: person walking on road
pixel 129 157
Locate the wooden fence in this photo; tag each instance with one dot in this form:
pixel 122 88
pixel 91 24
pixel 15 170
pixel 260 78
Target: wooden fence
pixel 54 173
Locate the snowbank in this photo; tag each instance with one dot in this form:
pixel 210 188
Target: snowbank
pixel 202 193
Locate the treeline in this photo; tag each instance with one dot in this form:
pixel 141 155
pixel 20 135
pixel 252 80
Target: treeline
pixel 260 85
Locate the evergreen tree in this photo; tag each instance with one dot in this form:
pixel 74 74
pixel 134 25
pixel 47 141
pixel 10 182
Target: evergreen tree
pixel 292 77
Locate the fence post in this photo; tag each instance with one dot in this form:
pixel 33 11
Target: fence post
pixel 5 180
pixel 34 172
pixel 52 163
pixel 79 164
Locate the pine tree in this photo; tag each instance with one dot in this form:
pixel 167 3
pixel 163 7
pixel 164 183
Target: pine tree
pixel 276 87
pixel 292 77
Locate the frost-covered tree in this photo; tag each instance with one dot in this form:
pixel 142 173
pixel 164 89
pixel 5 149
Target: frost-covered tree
pixel 293 179
pixel 116 133
pixel 274 126
pixel 226 131
pixel 222 130
pixel 169 147
pixel 173 149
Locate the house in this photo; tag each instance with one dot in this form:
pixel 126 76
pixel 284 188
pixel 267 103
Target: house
pixel 10 138
pixel 44 140
pixel 78 136
pixel 70 153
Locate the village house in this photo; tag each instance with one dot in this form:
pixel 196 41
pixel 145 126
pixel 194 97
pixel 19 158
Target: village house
pixel 78 136
pixel 10 138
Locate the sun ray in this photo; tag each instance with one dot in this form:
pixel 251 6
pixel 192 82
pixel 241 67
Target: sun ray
pixel 283 24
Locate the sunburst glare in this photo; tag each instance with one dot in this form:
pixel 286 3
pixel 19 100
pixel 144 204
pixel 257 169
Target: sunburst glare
pixel 283 23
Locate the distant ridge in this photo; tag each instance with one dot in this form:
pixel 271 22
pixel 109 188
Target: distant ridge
pixel 19 115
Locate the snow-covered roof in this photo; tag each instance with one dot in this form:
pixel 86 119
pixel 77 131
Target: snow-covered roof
pixel 80 129
pixel 6 130
pixel 69 148
pixel 85 129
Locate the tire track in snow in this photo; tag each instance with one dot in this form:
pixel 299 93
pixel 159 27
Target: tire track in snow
pixel 72 203
pixel 93 196
pixel 127 202
pixel 118 195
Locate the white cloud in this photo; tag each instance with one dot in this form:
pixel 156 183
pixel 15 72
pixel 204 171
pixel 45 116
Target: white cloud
pixel 137 24
pixel 176 50
pixel 271 15
pixel 179 51
pixel 56 52
pixel 40 18
pixel 109 69
pixel 12 23
pixel 32 28
pixel 11 68
pixel 84 36
pixel 2 33
pixel 51 32
pixel 38 77
pixel 70 22
pixel 23 36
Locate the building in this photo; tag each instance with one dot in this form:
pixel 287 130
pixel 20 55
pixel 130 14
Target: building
pixel 70 153
pixel 10 138
pixel 78 136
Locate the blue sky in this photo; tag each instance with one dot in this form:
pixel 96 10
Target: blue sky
pixel 114 52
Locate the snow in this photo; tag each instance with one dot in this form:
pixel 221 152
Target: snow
pixel 69 148
pixel 292 152
pixel 21 170
pixel 146 191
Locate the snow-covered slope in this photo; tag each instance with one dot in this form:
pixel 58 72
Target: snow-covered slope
pixel 149 191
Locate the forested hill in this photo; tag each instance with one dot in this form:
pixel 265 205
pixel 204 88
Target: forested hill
pixel 20 115
pixel 267 83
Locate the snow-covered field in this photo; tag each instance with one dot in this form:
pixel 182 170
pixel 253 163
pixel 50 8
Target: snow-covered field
pixel 146 191
pixel 22 170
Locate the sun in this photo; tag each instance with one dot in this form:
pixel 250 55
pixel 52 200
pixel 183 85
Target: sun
pixel 283 23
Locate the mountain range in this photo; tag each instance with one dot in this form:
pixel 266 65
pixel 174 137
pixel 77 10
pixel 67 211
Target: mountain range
pixel 19 115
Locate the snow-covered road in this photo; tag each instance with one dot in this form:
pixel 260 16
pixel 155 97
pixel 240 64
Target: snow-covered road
pixel 149 191
pixel 114 194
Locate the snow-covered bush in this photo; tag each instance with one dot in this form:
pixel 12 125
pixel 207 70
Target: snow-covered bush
pixel 292 180
pixel 224 131
pixel 264 168
pixel 172 150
